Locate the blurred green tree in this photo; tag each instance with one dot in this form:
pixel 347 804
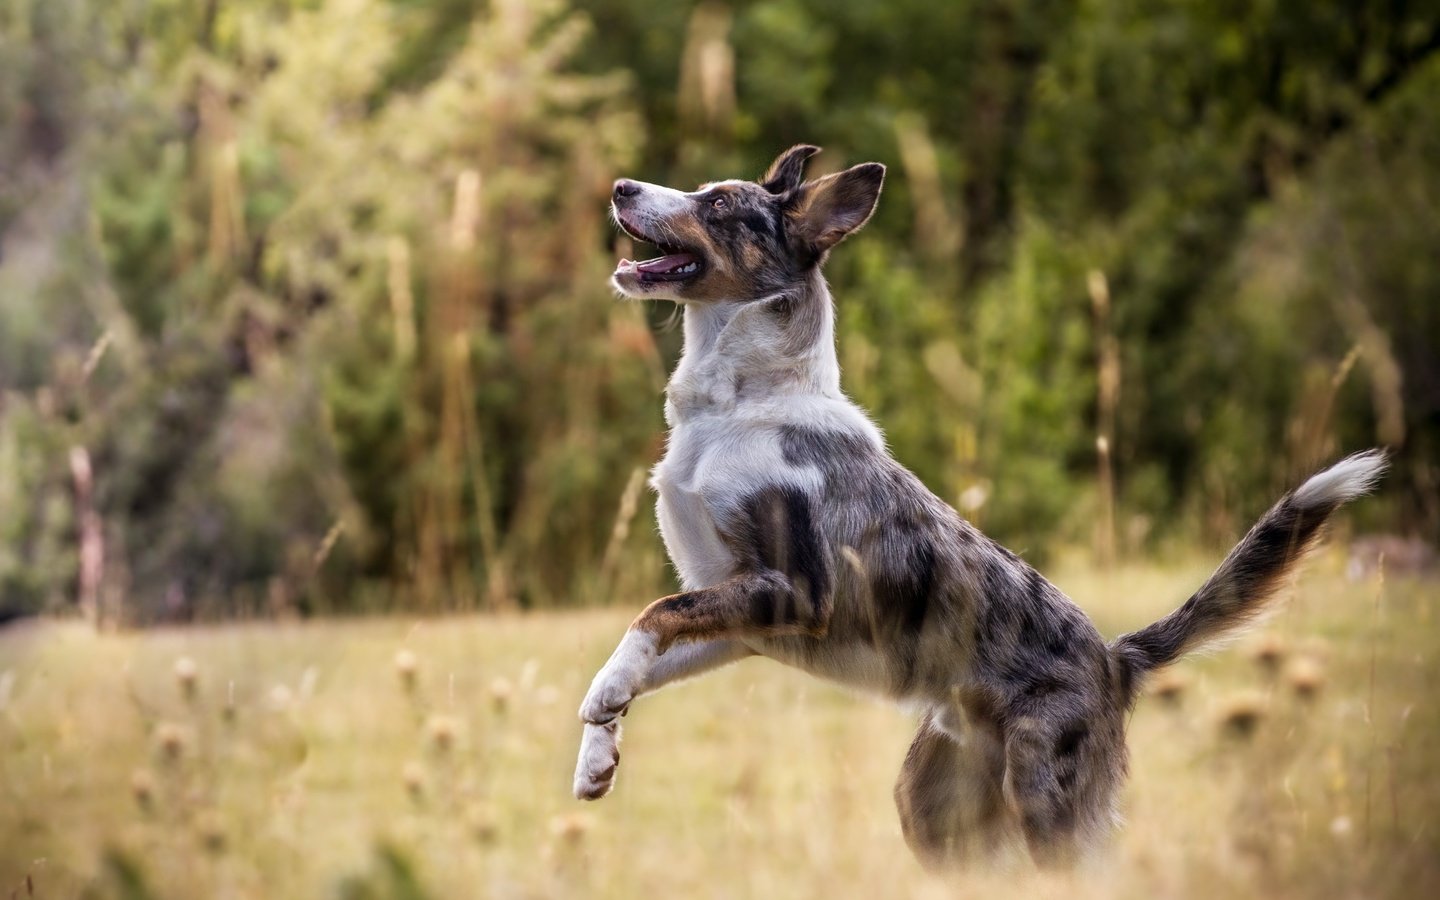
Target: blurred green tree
pixel 316 288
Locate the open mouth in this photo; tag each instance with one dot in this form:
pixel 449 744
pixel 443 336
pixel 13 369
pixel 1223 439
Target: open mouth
pixel 674 263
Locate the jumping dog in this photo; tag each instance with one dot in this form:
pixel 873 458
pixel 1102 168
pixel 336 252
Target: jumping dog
pixel 798 537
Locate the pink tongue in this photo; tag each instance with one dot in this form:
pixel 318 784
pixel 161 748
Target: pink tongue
pixel 666 264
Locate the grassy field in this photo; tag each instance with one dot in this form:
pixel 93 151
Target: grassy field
pixel 432 758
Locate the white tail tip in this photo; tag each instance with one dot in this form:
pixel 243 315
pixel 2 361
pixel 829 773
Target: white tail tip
pixel 1354 476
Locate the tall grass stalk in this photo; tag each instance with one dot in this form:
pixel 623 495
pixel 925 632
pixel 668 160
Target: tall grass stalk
pixel 1107 363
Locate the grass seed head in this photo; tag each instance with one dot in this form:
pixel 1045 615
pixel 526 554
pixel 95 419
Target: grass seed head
pixel 1169 688
pixel 172 742
pixel 406 669
pixel 571 829
pixel 443 732
pixel 1341 827
pixel 500 693
pixel 1306 678
pixel 482 824
pixel 142 788
pixel 1269 653
pixel 186 675
pixel 413 777
pixel 211 834
pixel 1242 715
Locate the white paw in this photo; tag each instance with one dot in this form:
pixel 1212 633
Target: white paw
pixel 620 680
pixel 599 757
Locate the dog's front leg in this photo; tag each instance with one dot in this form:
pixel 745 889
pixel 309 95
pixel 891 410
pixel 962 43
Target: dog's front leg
pixel 761 603
pixel 600 744
pixel 684 661
pixel 599 756
pixel 765 603
pixel 621 678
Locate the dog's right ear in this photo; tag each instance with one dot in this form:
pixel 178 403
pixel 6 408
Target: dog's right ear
pixel 822 212
pixel 788 169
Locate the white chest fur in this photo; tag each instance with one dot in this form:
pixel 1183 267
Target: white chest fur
pixel 686 522
pixel 712 464
pixel 728 403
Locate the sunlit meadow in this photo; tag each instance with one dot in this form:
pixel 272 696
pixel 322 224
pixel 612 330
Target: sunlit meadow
pixel 431 757
pixel 304 317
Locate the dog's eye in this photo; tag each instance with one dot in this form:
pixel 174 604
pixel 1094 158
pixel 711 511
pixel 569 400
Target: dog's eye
pixel 718 203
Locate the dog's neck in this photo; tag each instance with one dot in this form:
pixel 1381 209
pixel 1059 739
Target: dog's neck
pixel 753 351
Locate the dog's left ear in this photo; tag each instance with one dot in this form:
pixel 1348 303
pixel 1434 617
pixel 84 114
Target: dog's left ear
pixel 824 211
pixel 788 169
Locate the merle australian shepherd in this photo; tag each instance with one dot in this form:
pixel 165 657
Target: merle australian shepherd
pixel 798 537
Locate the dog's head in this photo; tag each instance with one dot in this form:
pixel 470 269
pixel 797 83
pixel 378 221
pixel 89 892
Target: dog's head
pixel 741 240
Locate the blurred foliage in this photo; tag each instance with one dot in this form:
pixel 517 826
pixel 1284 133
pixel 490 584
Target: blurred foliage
pixel 316 288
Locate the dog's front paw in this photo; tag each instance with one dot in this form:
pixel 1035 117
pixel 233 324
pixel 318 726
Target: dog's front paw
pixel 599 757
pixel 608 698
pixel 620 680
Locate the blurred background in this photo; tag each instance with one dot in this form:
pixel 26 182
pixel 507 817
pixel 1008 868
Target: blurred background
pixel 304 313
pixel 304 303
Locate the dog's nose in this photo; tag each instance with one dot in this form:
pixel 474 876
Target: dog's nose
pixel 626 188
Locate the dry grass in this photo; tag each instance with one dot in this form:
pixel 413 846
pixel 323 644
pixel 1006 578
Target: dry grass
pixel 394 758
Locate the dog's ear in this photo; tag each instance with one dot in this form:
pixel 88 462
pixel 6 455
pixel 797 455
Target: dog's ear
pixel 822 212
pixel 788 169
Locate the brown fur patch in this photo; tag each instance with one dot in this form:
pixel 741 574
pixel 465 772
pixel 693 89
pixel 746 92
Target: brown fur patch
pixel 743 606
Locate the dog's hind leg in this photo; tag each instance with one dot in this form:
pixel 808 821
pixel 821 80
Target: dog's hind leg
pixel 1061 772
pixel 1037 793
pixel 949 794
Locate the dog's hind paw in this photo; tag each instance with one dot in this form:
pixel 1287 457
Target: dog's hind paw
pixel 599 758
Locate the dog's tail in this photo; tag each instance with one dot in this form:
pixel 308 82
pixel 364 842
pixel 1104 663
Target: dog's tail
pixel 1237 592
